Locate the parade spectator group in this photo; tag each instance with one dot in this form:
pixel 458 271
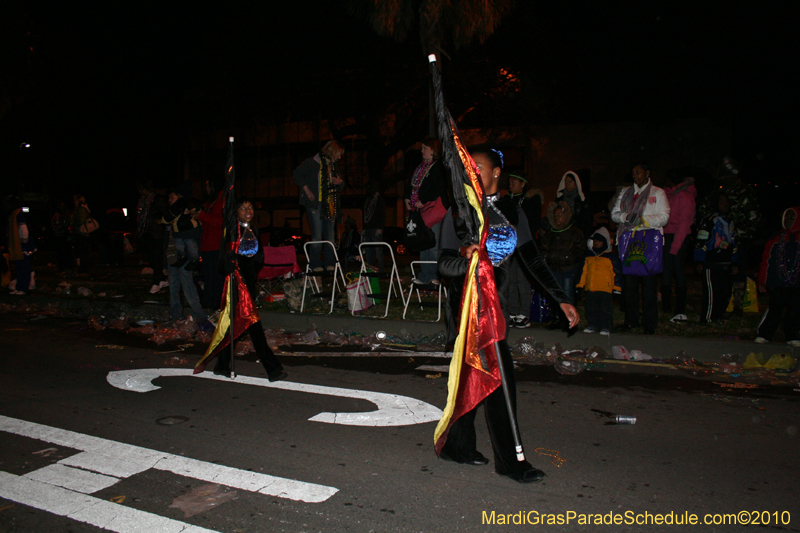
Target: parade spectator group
pixel 634 254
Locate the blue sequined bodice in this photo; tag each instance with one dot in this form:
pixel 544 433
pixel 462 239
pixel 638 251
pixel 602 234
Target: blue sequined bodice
pixel 248 244
pixel 502 239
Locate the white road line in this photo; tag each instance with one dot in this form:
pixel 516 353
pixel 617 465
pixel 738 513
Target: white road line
pixel 88 509
pixel 104 454
pixel 72 478
pixel 393 409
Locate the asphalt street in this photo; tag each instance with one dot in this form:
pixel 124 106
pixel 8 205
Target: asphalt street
pixel 94 439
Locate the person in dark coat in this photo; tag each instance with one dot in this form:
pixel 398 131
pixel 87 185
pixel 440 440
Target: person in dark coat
pixel 563 247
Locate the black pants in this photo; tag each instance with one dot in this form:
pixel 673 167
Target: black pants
pixel 674 269
pixel 649 317
pixel 717 289
pixel 461 442
pixel 268 359
pixel 783 301
pixel 599 310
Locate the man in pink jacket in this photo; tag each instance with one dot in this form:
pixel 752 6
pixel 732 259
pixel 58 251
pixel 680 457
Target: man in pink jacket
pixel 681 195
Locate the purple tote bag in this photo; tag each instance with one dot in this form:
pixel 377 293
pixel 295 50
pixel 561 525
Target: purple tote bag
pixel 641 252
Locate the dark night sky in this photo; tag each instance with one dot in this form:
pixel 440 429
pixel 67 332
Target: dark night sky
pixel 108 89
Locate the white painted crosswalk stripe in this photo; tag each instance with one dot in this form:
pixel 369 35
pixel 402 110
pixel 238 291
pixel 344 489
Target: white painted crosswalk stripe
pixel 88 509
pixel 63 488
pixel 136 459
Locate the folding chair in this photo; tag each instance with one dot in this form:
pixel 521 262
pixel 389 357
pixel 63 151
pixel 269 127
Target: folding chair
pixel 416 287
pixel 393 275
pixel 279 262
pixel 325 274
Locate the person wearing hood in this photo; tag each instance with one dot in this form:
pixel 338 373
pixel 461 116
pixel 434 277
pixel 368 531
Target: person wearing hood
pixel 716 258
pixel 681 196
pixel 518 293
pixel 601 277
pixel 563 246
pixel 638 207
pixel 570 190
pixel 780 275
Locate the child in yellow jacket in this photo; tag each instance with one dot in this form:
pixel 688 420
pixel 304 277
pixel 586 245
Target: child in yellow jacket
pixel 600 278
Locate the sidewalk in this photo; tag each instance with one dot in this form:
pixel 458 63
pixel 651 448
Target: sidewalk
pixel 128 281
pixel 658 347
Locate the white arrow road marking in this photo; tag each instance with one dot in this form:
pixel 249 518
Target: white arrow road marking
pixel 393 409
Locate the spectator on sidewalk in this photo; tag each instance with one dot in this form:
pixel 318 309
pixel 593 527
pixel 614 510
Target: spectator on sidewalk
pixel 601 277
pixel 320 183
pixel 427 193
pixel 745 214
pixel 780 275
pixel 563 247
pixel 715 256
pixel 570 190
pixel 681 194
pixel 150 209
pixel 21 244
pixel 183 232
pixel 640 206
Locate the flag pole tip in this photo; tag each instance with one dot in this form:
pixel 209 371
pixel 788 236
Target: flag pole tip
pixel 230 139
pixel 432 58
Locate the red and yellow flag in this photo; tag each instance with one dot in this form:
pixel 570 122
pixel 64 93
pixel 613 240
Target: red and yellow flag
pixel 474 373
pixel 245 314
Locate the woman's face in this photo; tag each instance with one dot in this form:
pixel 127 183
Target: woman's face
pixel 515 185
pixel 788 219
pixel 569 184
pixel 245 212
pixel 640 175
pixel 489 173
pixel 427 153
pixel 172 198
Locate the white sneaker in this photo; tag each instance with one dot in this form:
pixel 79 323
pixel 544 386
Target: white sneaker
pixel 605 332
pixel 794 344
pixel 522 321
pixel 590 329
pixel 679 318
pixel 761 340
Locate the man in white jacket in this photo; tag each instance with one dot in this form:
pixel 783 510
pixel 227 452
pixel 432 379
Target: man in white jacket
pixel 640 206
